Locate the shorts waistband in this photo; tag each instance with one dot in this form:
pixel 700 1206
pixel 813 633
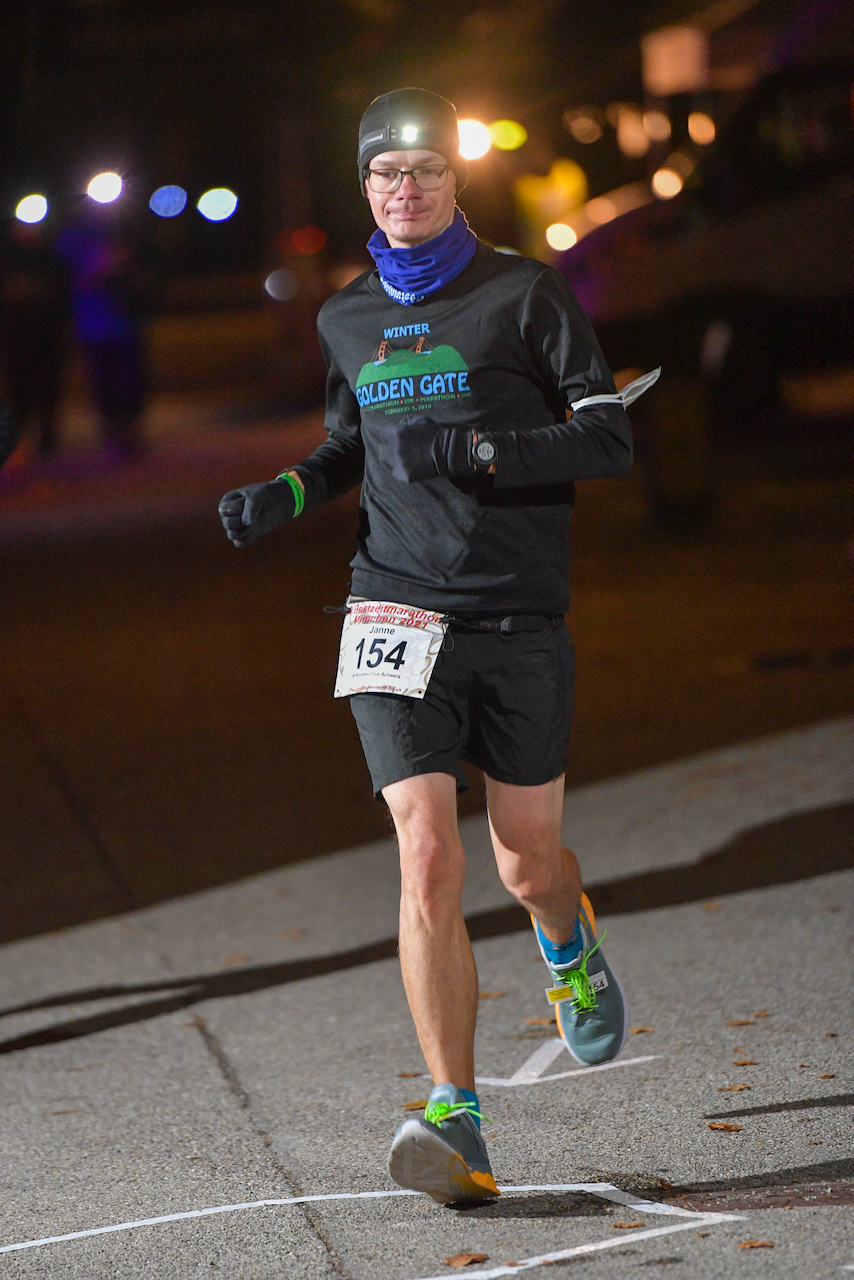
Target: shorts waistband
pixel 510 624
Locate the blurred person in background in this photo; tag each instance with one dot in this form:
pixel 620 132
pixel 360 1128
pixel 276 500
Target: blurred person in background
pixel 33 332
pixel 108 302
pixel 451 368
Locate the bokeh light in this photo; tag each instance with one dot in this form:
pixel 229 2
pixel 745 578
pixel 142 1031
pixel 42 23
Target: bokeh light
pixel 31 209
pixel 632 137
pixel 507 135
pixel 105 188
pixel 282 285
pixel 656 126
pixel 217 204
pixel 168 202
pixel 666 183
pixel 600 210
pixel 308 240
pixel 701 128
pixel 584 124
pixel 560 236
pixel 475 139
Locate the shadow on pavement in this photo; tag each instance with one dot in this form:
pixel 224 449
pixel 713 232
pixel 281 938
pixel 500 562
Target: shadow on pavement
pixel 763 856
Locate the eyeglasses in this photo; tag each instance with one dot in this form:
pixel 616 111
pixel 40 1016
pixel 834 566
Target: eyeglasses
pixel 427 178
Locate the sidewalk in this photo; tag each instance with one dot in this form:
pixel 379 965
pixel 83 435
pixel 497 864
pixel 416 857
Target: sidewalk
pixel 252 1043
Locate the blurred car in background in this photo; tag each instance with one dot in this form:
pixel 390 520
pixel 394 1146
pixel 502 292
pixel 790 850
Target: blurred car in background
pixel 741 287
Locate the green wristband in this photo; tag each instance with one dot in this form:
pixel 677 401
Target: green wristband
pixel 297 490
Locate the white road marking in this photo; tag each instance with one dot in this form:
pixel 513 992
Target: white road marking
pixel 577 1251
pixel 604 1189
pixel 531 1072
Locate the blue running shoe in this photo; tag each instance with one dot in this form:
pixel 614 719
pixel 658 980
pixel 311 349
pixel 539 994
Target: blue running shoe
pixel 589 1003
pixel 443 1154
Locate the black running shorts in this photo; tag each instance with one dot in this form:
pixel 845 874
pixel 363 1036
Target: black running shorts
pixel 503 702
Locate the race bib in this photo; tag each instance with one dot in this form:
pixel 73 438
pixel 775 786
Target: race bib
pixel 388 648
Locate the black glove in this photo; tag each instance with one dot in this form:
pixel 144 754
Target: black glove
pixel 254 509
pixel 419 449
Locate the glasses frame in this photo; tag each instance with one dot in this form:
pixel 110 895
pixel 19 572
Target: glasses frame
pixel 406 173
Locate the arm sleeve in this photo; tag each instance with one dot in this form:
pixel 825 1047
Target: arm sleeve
pixel 598 439
pixel 337 465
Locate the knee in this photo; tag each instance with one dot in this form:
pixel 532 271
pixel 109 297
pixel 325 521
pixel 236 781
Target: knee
pixel 431 872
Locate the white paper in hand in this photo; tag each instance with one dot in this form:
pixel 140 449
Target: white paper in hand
pixel 624 397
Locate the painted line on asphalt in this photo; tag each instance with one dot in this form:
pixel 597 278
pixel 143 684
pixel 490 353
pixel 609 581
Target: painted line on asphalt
pixel 577 1251
pixel 602 1189
pixel 531 1071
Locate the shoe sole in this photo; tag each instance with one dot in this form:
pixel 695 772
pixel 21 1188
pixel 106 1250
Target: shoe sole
pixel 423 1161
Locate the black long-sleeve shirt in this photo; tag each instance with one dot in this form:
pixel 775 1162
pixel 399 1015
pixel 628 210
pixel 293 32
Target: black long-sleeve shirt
pixel 503 348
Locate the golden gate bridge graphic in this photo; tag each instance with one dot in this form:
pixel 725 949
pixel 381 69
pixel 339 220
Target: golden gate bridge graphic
pixel 385 349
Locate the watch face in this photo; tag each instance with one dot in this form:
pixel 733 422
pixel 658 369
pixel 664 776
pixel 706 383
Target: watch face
pixel 485 451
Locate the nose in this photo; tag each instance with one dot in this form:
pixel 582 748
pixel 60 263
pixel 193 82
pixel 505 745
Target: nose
pixel 408 188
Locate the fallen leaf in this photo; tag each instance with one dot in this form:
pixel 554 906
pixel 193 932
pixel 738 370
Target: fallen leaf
pixel 237 958
pixel 814 1143
pixel 756 1244
pixel 638 1031
pixel 408 1075
pixel 297 932
pixel 803 1066
pixel 712 906
pixel 727 1128
pixel 625 1226
pixel 491 995
pixel 832 1035
pixel 61 1113
pixel 762 1013
pixel 701 1235
pixel 733 1088
pixel 741 1022
pixel 540 1022
pixel 417 1105
pixel 828 1075
pixel 512 1264
pixel 465 1259
pixel 745 1062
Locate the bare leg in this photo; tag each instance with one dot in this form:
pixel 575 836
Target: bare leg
pixel 436 958
pixel 525 824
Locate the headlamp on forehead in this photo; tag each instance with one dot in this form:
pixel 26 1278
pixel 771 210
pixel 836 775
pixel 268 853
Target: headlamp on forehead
pixel 411 118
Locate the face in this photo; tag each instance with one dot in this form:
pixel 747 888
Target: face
pixel 409 215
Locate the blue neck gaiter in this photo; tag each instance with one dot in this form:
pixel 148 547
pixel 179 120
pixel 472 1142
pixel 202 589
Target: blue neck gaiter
pixel 410 275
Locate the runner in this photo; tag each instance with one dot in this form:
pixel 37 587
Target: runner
pixel 451 369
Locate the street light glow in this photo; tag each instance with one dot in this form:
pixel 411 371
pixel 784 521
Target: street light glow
pixel 666 183
pixel 168 202
pixel 217 204
pixel 507 135
pixel 560 236
pixel 31 209
pixel 701 128
pixel 475 139
pixel 105 188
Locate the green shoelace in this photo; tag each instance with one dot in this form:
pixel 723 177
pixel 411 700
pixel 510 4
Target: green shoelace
pixel 583 995
pixel 436 1112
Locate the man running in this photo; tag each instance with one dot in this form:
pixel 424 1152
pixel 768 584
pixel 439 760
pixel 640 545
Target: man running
pixel 451 368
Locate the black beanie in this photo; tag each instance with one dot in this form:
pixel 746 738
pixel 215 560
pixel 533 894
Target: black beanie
pixel 409 120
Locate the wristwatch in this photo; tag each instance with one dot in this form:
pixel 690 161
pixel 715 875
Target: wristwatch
pixel 484 453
